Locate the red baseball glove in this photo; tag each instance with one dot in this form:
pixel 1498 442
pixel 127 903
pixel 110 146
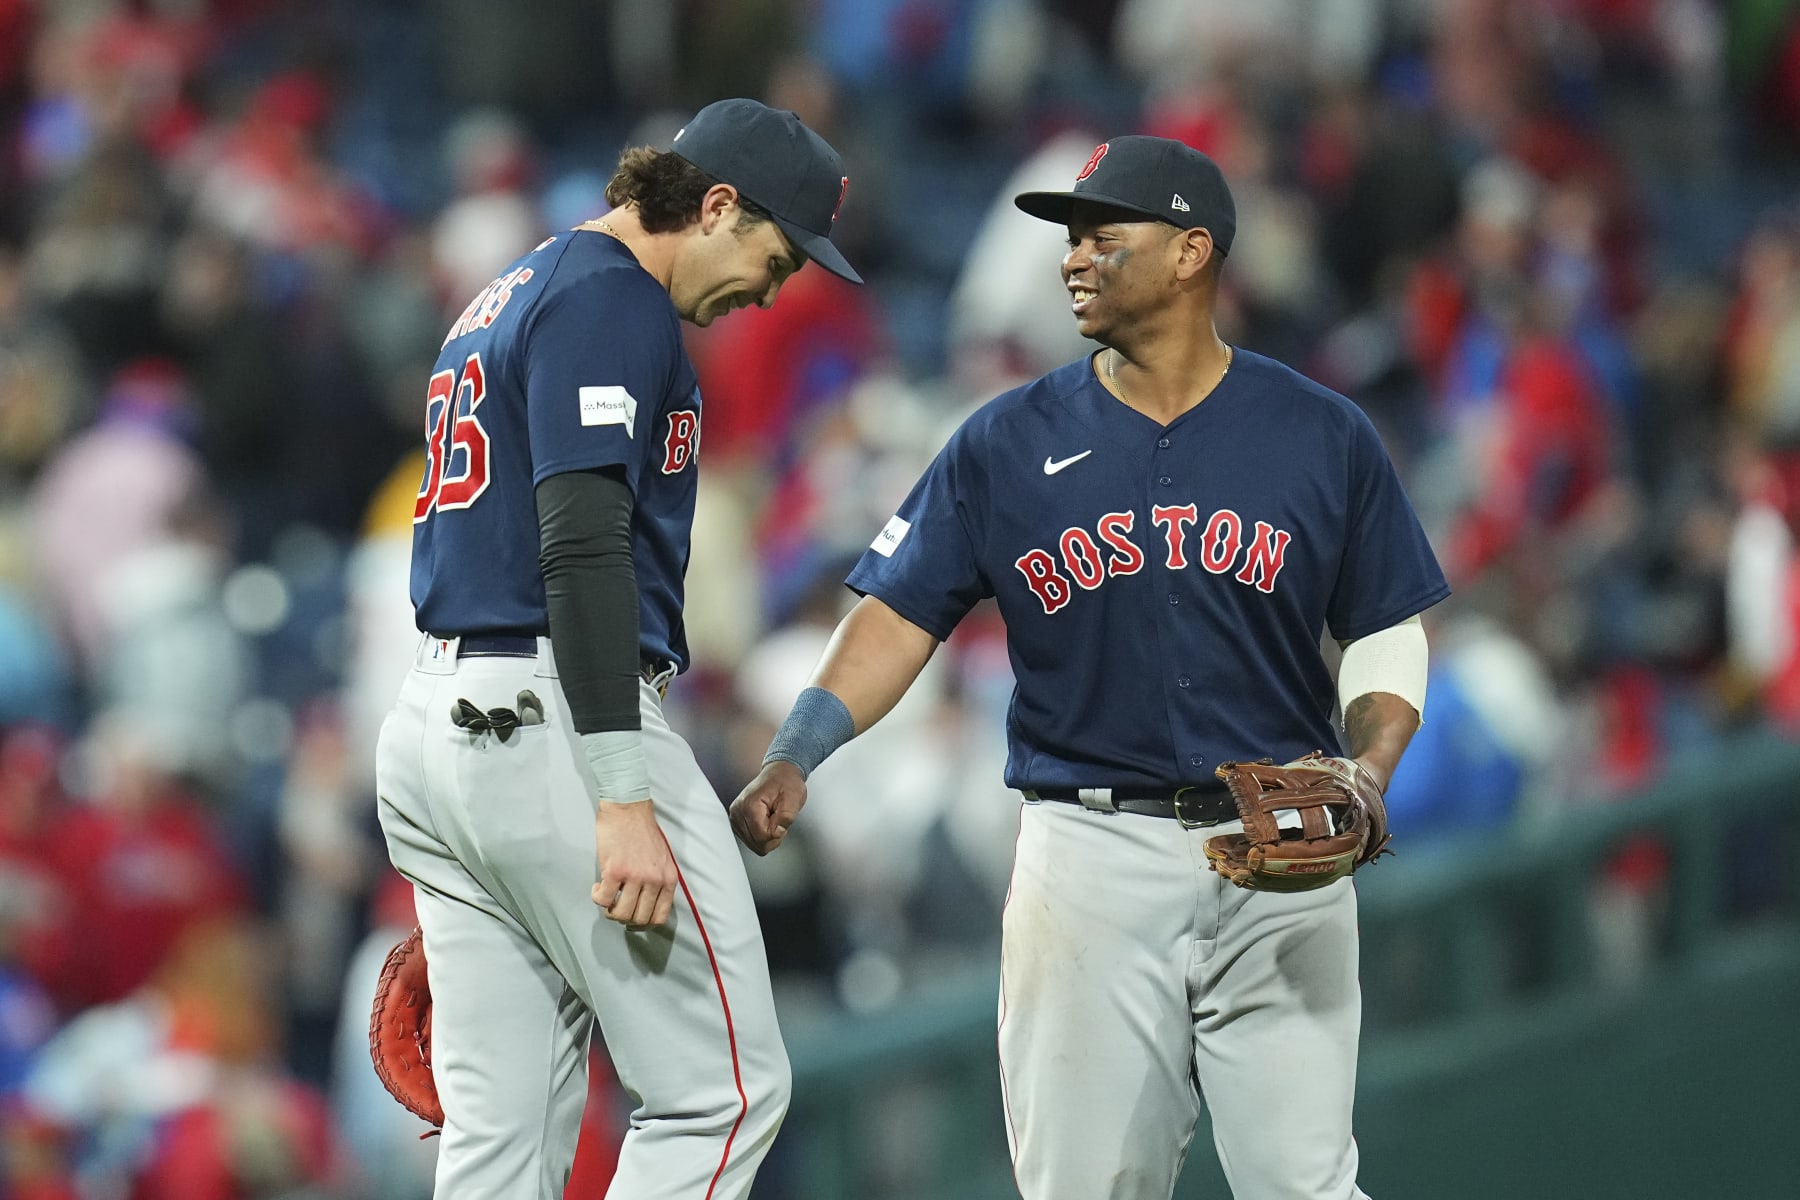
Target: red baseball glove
pixel 1343 823
pixel 400 1030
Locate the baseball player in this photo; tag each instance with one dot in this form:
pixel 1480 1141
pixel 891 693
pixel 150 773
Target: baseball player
pixel 1168 526
pixel 569 859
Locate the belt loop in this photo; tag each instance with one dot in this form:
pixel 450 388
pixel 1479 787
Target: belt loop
pixel 437 656
pixel 658 676
pixel 546 660
pixel 1098 799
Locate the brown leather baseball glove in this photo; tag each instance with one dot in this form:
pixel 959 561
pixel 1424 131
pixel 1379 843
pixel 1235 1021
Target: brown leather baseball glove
pixel 400 1030
pixel 1343 823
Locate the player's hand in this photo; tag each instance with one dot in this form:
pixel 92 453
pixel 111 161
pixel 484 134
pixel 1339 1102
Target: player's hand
pixel 637 870
pixel 763 811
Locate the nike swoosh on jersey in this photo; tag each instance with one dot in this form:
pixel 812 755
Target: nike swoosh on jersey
pixel 1051 466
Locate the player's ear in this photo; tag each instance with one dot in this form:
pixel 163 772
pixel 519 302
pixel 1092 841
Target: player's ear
pixel 720 200
pixel 1194 250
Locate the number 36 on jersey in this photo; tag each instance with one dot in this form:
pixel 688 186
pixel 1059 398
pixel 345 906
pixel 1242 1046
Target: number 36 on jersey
pixel 456 472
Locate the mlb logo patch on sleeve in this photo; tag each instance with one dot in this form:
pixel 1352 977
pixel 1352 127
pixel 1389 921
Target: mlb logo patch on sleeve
pixel 609 405
pixel 888 540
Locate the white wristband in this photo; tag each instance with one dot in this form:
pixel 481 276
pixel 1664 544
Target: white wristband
pixel 621 773
pixel 1394 660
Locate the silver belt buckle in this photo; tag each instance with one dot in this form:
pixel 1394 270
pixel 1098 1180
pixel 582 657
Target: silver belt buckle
pixel 1185 821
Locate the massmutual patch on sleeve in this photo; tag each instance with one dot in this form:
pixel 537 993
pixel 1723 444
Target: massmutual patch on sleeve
pixel 888 540
pixel 608 405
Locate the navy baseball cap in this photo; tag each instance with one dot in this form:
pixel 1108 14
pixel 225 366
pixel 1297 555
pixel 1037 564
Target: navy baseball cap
pixel 1161 178
pixel 780 164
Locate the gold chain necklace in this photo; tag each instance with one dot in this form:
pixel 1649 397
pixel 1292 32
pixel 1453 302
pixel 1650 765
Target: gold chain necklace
pixel 1112 368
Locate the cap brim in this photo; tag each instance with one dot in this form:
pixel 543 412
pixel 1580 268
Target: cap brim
pixel 1057 207
pixel 819 249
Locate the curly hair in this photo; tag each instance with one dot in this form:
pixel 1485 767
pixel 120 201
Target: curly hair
pixel 667 189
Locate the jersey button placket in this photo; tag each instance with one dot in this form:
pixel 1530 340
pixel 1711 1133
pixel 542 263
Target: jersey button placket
pixel 1183 682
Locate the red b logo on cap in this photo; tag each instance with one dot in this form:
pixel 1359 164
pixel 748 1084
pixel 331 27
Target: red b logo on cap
pixel 1099 153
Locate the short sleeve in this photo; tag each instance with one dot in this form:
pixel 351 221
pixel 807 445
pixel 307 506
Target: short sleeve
pixel 1388 572
pixel 601 355
pixel 924 562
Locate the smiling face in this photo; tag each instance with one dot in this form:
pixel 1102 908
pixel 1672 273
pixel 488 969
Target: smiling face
pixel 1121 269
pixel 733 262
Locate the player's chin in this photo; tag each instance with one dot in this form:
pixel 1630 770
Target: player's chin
pixel 711 310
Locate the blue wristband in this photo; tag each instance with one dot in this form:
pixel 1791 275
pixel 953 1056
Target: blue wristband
pixel 816 725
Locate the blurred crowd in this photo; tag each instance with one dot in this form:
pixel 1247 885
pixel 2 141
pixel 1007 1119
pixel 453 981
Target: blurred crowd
pixel 1551 246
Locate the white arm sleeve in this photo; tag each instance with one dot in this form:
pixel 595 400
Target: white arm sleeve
pixel 1393 660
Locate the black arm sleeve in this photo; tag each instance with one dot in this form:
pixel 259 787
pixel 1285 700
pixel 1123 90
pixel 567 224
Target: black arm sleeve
pixel 584 534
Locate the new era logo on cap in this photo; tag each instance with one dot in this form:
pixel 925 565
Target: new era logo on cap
pixel 1178 204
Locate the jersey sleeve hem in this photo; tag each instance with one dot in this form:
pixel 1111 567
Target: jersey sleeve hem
pixel 546 470
pixel 905 609
pixel 1401 612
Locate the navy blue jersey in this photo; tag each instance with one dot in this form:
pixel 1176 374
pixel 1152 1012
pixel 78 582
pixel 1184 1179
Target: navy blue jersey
pixel 571 360
pixel 1165 589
